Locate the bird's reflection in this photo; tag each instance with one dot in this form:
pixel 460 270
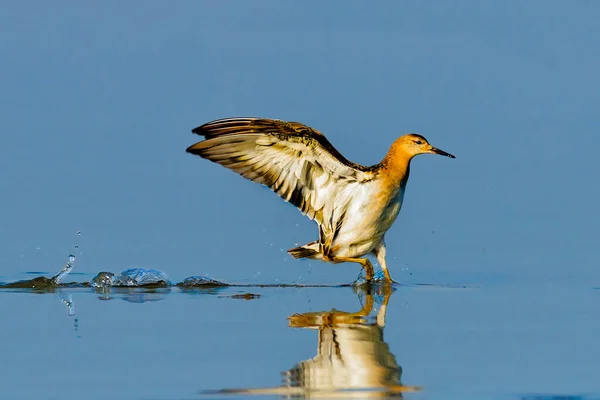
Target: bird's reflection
pixel 351 352
pixel 353 360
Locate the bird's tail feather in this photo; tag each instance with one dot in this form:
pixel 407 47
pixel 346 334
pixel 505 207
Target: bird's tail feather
pixel 310 250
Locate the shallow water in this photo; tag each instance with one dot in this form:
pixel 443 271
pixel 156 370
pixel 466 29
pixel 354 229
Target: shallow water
pixel 422 342
pixel 498 247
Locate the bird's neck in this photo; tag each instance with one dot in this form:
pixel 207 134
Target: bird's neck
pixel 396 168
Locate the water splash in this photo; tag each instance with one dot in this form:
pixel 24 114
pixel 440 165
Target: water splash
pixel 76 247
pixel 57 279
pixel 142 276
pixel 377 277
pixel 103 279
pixel 131 277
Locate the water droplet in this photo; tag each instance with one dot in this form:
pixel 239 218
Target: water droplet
pixel 37 248
pixel 78 233
pixel 76 246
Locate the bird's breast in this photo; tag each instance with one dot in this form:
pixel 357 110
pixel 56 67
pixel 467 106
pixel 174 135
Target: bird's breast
pixel 391 209
pixel 370 213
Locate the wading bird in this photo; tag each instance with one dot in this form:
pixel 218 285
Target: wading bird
pixel 353 205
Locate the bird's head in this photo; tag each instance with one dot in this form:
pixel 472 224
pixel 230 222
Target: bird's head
pixel 413 144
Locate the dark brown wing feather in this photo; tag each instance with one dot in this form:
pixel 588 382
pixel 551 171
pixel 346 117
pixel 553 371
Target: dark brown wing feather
pixel 274 127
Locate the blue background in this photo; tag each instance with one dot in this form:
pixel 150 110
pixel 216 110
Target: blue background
pixel 97 102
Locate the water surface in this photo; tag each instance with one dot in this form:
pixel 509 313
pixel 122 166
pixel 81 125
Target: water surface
pixel 503 342
pixel 497 248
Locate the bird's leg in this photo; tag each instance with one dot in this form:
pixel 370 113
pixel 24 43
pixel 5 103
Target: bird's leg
pixel 365 263
pixel 380 254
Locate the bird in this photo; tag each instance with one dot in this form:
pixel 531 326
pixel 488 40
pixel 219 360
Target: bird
pixel 353 205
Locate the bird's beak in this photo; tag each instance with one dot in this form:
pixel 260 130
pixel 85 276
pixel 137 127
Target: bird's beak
pixel 435 150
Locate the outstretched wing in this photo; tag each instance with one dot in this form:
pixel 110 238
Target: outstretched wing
pixel 295 161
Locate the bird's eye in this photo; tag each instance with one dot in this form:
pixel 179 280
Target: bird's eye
pixel 418 142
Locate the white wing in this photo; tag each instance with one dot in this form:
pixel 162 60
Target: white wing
pixel 295 161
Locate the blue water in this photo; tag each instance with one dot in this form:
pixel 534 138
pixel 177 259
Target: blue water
pixel 496 250
pixel 499 342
